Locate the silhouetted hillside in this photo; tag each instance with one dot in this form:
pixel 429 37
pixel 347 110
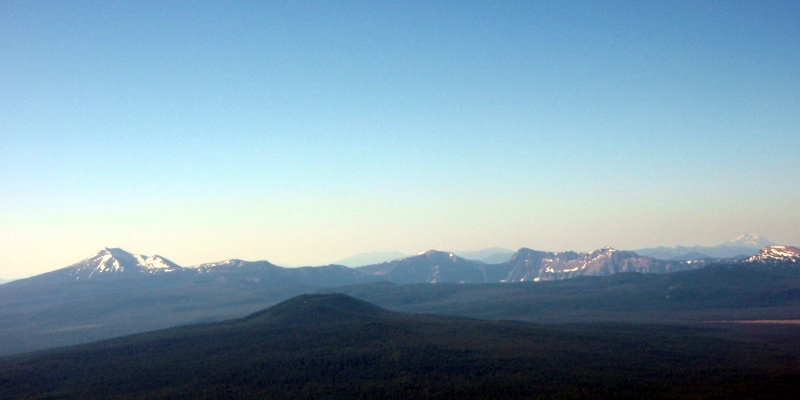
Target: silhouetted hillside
pixel 309 309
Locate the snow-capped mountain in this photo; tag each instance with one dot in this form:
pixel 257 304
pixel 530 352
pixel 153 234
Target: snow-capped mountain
pixel 752 240
pixel 531 265
pixel 525 265
pixel 115 262
pixel 776 254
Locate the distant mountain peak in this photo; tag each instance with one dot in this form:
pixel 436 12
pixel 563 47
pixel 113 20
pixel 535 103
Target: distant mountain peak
pixel 436 254
pixel 114 261
pixel 531 265
pixel 750 240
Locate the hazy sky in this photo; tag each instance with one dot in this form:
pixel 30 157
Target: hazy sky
pixel 306 132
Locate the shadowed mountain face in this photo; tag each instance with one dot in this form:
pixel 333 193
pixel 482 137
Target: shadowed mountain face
pixel 334 346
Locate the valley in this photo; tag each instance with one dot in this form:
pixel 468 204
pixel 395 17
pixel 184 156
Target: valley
pixel 335 346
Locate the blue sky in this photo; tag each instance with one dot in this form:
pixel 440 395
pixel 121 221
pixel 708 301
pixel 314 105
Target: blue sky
pixel 306 132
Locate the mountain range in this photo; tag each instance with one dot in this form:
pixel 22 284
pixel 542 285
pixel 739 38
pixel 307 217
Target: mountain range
pixel 430 267
pixel 740 247
pixel 427 267
pixel 114 292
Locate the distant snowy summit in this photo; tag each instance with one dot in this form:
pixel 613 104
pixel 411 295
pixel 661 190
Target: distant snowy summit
pixel 752 240
pixel 114 261
pixel 776 254
pixel 118 263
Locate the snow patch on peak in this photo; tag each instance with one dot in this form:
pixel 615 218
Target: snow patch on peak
pixel 111 261
pixel 429 252
pixel 233 262
pixel 602 252
pixel 156 262
pixel 776 254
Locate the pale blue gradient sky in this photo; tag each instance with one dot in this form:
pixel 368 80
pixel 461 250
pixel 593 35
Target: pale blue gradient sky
pixel 305 132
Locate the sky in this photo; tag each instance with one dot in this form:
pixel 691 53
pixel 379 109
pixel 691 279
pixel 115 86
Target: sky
pixel 306 132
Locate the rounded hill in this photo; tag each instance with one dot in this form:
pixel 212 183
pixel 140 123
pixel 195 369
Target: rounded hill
pixel 316 308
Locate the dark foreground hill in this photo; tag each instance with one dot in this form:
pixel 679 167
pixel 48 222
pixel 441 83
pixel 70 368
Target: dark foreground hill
pixel 334 346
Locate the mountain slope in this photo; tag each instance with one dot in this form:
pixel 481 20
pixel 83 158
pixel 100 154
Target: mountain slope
pixel 493 255
pixel 361 351
pixel 776 254
pixel 430 267
pixel 531 265
pixel 525 265
pixel 377 257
